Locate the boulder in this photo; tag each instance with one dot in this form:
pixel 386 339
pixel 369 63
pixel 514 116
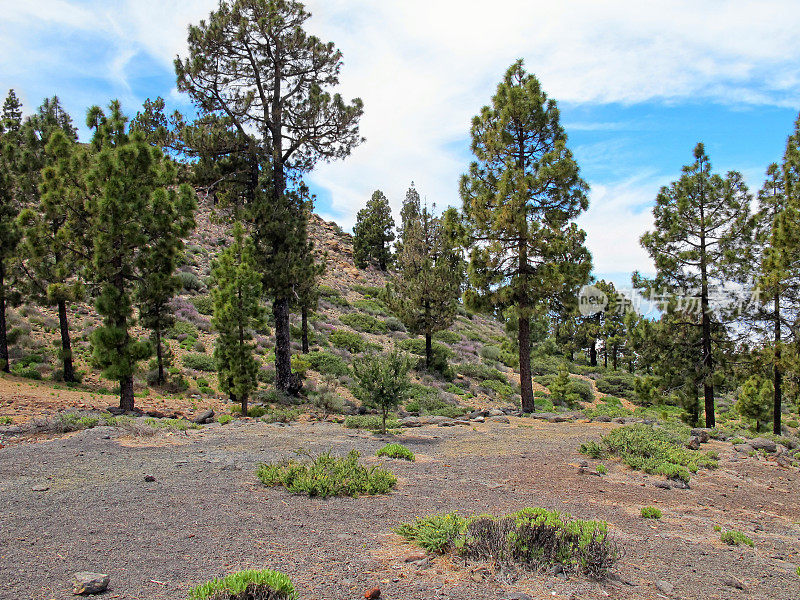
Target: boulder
pixel 499 419
pixel 701 433
pixel 764 444
pixel 665 587
pixel 496 412
pixel 603 419
pixel 85 583
pixel 693 443
pixel 479 419
pixel 204 417
pixel 410 422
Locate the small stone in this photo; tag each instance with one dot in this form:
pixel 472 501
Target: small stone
pixel 555 570
pixel 663 485
pixel 693 443
pixel 603 419
pixel 373 593
pixel 479 419
pixel 665 586
pixel 204 417
pixel 414 557
pixel 149 478
pixel 40 488
pixel 89 583
pixel 496 412
pixel 499 419
pixel 702 433
pixel 518 596
pixel 733 583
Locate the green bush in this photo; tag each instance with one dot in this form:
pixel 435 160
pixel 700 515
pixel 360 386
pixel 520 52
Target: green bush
pixel 370 422
pixel 246 585
pixel 426 401
pixel 545 364
pixel 348 340
pixel 325 476
pixel 224 419
pixel 439 358
pixel 200 362
pixel 652 450
pixel 491 353
pixel 734 538
pixel 395 324
pixel 481 372
pixel 300 365
pixel 362 322
pixel 327 363
pixel 617 384
pixel 395 450
pixel 382 381
pixel 609 407
pixel 368 291
pixel 29 372
pixel 447 336
pixel 534 538
pixel 326 291
pixel 371 306
pixel 203 304
pixel 190 282
pixel 650 512
pixel 184 328
pixel 280 415
pixel 602 470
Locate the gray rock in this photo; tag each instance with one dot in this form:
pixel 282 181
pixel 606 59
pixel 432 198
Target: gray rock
pixel 478 413
pixel 702 433
pixel 620 420
pixel 441 421
pixel 557 419
pixel 149 478
pixel 410 422
pixel 518 596
pixel 499 419
pixel 204 417
pixel 603 419
pixel 555 570
pixel 496 412
pixel 665 587
pixel 733 583
pixel 479 419
pixel 89 583
pixel 745 448
pixel 764 444
pixel 11 430
pixel 40 488
pixel 693 443
pixel 663 485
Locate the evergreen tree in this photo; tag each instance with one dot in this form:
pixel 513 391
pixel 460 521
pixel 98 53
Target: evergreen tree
pixel 238 311
pixel 701 222
pixel 54 236
pixel 253 62
pixel 171 220
pixel 755 400
pixel 425 292
pixel 410 212
pixel 10 202
pixel 519 198
pixel 307 287
pixel 373 233
pixel 382 381
pixel 123 180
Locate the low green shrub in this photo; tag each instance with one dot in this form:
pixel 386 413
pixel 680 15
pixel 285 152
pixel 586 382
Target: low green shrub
pixel 203 304
pixel 395 324
pixel 372 306
pixel 617 384
pixel 652 450
pixel 281 415
pixel 395 450
pixel 481 372
pixel 325 476
pixel 246 585
pixel 650 512
pixel 327 363
pixel 734 538
pixel 200 362
pixel 348 340
pixel 224 419
pixel 171 424
pixel 602 470
pixel 190 282
pixel 368 291
pixel 439 358
pixel 362 322
pixel 447 336
pixel 370 422
pixel 534 538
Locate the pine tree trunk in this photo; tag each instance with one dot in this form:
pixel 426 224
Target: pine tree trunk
pixel 428 350
pixel 605 356
pixel 161 379
pixel 283 353
pixel 614 357
pixel 66 345
pixel 244 405
pixel 708 360
pixel 777 375
pixel 304 320
pixel 5 364
pixel 593 354
pixel 126 398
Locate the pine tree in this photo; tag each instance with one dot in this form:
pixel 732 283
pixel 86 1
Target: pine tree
pixel 171 220
pixel 238 310
pixel 382 381
pixel 311 269
pixel 755 399
pixel 373 233
pixel 123 179
pixel 54 244
pixel 253 62
pixel 424 294
pixel 10 202
pixel 410 212
pixel 519 199
pixel 701 220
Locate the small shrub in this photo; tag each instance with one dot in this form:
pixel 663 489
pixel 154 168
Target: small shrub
pixel 650 512
pixel 617 384
pixel 203 304
pixel 382 381
pixel 327 363
pixel 190 282
pixel 591 449
pixel 348 340
pixel 394 324
pixel 491 353
pixel 481 372
pixel 734 538
pixel 300 365
pixel 325 398
pixel 200 362
pixel 362 322
pixel 602 470
pixel 246 585
pixel 325 476
pixel 533 537
pixel 371 306
pixel 224 419
pixel 447 336
pixel 395 450
pixel 370 422
pixel 439 355
pixel 281 415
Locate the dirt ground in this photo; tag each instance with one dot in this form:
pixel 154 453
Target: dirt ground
pixel 206 514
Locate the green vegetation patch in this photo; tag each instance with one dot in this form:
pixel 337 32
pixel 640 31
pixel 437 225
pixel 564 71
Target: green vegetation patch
pixel 246 585
pixel 325 476
pixel 652 450
pixel 735 538
pixel 348 340
pixel 327 363
pixel 534 538
pixel 395 450
pixel 650 512
pixel 370 422
pixel 200 362
pixel 366 323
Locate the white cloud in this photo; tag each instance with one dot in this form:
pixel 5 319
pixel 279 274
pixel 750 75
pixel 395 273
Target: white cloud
pixel 424 67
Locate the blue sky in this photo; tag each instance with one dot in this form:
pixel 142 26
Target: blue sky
pixel 638 84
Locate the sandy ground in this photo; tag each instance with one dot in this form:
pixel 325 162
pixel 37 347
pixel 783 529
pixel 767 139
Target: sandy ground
pixel 206 514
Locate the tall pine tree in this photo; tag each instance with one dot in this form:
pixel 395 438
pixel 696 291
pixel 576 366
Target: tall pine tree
pixel 238 311
pixel 253 63
pixel 373 233
pixel 519 198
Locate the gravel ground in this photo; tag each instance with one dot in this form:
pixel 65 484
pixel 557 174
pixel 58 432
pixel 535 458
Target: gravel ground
pixel 206 514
